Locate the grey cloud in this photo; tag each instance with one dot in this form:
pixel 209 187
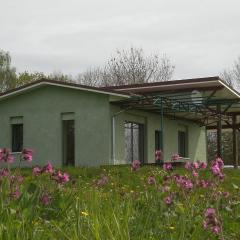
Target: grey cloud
pixel 201 37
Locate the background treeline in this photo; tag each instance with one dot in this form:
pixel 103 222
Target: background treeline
pixel 126 66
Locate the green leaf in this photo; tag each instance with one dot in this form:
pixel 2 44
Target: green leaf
pixel 228 209
pixel 32 188
pixel 12 211
pixel 235 186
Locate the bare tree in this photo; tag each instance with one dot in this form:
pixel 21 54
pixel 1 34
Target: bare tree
pixel 59 76
pixel 92 77
pixel 129 67
pixel 232 76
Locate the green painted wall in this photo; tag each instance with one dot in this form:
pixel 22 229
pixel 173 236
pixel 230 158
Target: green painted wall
pixel 41 110
pixel 196 135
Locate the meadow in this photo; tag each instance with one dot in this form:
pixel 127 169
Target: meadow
pixel 119 202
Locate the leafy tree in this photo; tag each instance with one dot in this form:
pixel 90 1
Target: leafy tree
pixel 7 72
pixel 26 77
pixel 9 79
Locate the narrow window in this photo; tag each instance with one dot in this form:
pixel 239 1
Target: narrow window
pixel 158 140
pixel 134 141
pixel 182 143
pixel 17 137
pixel 68 142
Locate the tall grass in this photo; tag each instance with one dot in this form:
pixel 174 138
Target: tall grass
pixel 123 207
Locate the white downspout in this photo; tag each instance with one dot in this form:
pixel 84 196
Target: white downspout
pixel 114 135
pixel 113 140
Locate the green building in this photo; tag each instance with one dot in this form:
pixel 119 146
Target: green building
pixel 71 124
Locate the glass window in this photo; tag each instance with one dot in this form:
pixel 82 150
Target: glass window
pixel 17 137
pixel 134 141
pixel 158 140
pixel 182 143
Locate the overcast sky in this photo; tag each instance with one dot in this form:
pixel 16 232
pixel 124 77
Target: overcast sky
pixel 201 37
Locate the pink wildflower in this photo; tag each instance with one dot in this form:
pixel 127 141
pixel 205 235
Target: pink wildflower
pixel 36 170
pixel 15 194
pixel 204 184
pixel 195 174
pixel 48 168
pixel 45 199
pixel 27 155
pixel 203 165
pixel 166 178
pixel 219 162
pixel 210 212
pixel 226 194
pixel 183 182
pixel 20 179
pixel 16 179
pixel 195 165
pixel 158 155
pixel 211 222
pixel 216 230
pixel 102 181
pixel 168 200
pixel 167 166
pixel 4 173
pixel 6 155
pixel 64 178
pixel 188 165
pixel 187 184
pixel 151 180
pixel 135 165
pixel 215 169
pixel 60 178
pixel 175 157
pixel 221 176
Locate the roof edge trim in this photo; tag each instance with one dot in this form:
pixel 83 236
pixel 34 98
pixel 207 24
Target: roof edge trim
pixel 229 88
pixel 55 83
pixel 159 86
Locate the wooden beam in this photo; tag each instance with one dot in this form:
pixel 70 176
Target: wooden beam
pixel 235 148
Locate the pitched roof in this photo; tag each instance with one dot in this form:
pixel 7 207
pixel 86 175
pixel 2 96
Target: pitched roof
pixel 45 82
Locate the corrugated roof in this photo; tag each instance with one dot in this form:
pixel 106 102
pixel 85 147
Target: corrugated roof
pixel 162 83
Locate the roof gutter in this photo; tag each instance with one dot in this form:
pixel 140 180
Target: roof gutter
pixel 165 85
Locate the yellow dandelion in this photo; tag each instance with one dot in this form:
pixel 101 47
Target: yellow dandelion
pixel 84 214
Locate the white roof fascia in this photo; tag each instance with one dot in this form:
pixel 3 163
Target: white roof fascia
pixel 60 85
pixel 231 90
pixel 165 85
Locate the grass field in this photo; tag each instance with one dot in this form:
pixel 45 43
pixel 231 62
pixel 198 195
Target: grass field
pixel 118 203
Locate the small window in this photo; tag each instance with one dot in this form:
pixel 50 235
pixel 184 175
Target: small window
pixel 17 137
pixel 182 143
pixel 158 140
